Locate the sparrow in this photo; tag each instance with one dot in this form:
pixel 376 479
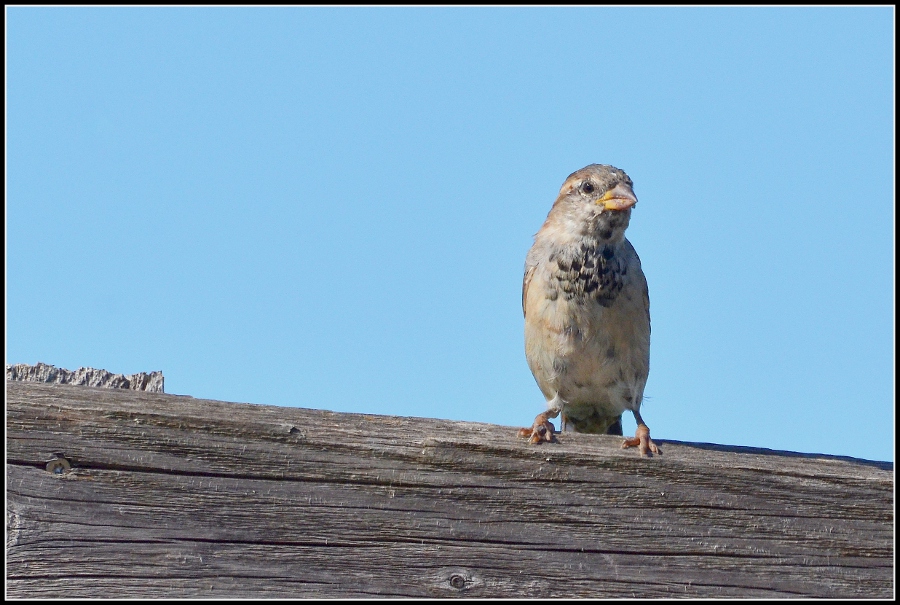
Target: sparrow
pixel 587 311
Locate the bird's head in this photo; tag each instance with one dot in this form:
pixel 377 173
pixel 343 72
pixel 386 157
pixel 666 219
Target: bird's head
pixel 596 201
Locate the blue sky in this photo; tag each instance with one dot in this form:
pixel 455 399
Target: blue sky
pixel 330 207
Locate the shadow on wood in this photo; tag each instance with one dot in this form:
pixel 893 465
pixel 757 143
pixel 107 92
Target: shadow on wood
pixel 115 493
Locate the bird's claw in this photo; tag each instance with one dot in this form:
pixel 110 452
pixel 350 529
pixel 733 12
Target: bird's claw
pixel 643 442
pixel 541 431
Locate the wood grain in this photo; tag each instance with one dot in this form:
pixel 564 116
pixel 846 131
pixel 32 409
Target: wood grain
pixel 170 496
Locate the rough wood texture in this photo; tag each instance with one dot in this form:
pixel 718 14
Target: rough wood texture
pixel 171 496
pixel 42 372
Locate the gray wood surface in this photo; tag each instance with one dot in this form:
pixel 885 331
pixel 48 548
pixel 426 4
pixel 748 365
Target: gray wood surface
pixel 153 382
pixel 170 496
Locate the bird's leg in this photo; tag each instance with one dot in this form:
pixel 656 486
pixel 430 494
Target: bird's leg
pixel 542 429
pixel 641 438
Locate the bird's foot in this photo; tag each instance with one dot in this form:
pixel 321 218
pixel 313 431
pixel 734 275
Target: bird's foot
pixel 542 430
pixel 642 440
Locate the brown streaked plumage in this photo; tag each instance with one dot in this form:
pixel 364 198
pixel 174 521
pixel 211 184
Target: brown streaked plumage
pixel 587 310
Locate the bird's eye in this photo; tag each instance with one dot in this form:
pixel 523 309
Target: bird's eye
pixel 587 188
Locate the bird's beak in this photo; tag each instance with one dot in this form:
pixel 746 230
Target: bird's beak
pixel 620 197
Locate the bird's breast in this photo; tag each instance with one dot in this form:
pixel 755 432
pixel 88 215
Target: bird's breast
pixel 589 272
pixel 586 328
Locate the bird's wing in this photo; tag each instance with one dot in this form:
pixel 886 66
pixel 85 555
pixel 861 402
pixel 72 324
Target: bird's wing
pixel 642 279
pixel 526 281
pixel 647 302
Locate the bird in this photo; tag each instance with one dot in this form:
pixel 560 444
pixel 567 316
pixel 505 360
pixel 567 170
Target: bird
pixel 587 311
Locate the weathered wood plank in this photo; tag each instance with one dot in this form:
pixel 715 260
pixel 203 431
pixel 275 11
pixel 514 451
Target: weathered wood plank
pixel 153 382
pixel 171 496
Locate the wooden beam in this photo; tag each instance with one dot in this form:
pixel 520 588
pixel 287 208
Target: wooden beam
pixel 117 493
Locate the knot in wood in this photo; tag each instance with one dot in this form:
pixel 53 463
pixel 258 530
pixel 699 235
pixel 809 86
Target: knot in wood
pixel 458 581
pixel 58 466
